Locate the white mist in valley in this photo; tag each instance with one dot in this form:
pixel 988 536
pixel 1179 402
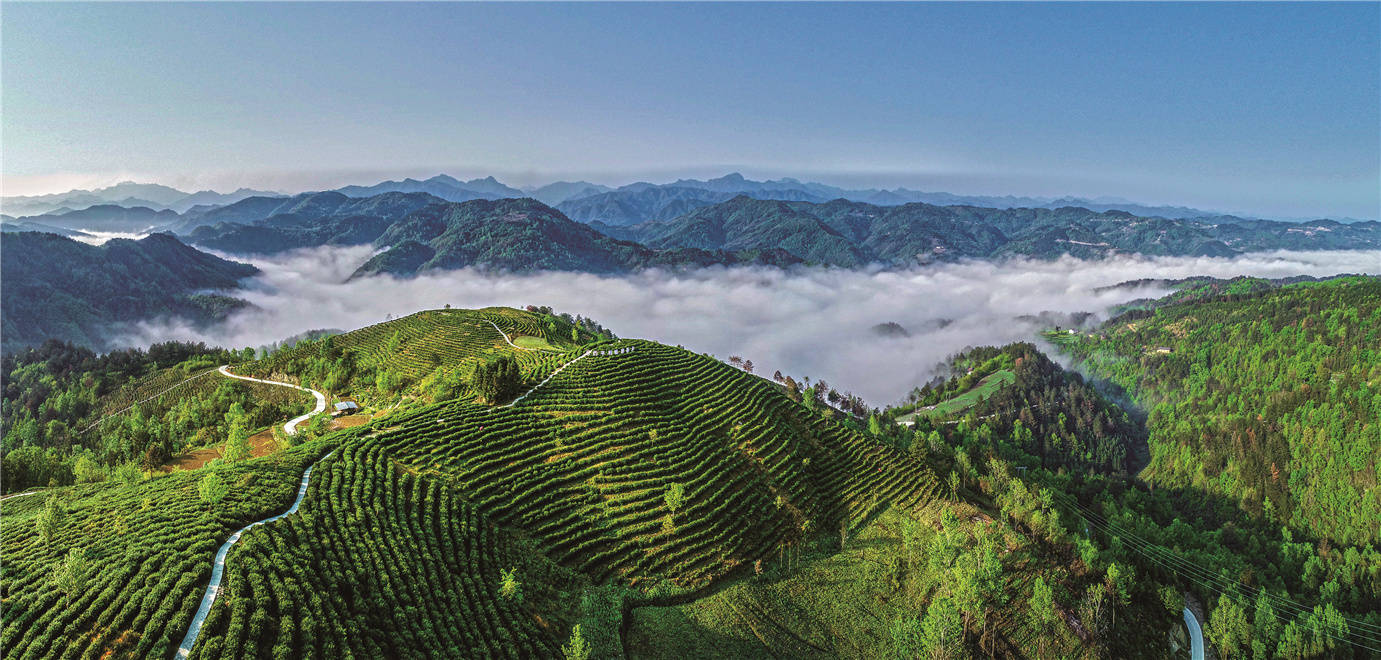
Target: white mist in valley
pixel 805 322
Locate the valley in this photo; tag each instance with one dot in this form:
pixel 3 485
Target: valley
pixel 664 331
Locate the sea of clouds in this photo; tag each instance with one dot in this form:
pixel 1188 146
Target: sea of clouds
pixel 806 322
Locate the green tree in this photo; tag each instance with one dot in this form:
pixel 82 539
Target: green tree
pixel 576 648
pixel 128 473
pixel 675 497
pixel 1041 610
pixel 509 586
pixel 942 631
pixel 69 576
pixel 237 444
pixel 212 489
pixel 50 519
pixel 497 380
pixel 87 470
pixel 1229 629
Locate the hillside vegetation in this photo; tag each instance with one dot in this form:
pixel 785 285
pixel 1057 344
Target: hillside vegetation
pixel 621 496
pixel 1270 399
pixel 430 355
pixel 70 416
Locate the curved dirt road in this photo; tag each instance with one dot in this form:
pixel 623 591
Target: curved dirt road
pixel 290 427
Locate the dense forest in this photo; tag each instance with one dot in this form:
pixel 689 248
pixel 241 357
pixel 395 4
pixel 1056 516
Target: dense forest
pixel 1272 399
pixel 1046 411
pixel 1261 493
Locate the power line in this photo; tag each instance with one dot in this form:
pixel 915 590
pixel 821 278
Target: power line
pixel 1210 581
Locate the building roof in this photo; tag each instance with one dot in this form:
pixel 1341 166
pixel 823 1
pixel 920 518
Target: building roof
pixel 347 405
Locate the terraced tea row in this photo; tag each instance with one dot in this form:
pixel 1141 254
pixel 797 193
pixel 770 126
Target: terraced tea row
pixel 142 555
pixel 381 563
pixel 585 464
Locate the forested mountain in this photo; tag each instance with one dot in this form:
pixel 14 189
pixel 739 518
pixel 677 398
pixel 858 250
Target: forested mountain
pixel 524 234
pixel 58 288
pixel 748 224
pixel 836 233
pixel 301 211
pixel 636 203
pixel 630 207
pixel 1198 289
pixel 328 218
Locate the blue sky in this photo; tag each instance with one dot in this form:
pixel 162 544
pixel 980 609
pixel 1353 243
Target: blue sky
pixel 1267 108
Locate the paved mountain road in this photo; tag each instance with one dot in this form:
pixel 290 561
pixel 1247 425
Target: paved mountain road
pixel 291 426
pixel 213 588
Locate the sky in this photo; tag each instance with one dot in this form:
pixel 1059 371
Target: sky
pixel 1272 109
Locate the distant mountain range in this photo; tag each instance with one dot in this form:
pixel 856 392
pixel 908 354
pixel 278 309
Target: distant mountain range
pixel 127 194
pixel 525 234
pixel 424 232
pixel 580 200
pixel 58 288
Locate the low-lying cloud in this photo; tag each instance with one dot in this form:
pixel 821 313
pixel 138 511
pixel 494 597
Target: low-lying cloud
pixel 807 322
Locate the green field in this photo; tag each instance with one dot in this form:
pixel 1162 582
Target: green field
pixel 983 390
pixel 534 343
pixel 640 477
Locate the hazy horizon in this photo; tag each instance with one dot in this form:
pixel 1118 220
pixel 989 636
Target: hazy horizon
pixel 1155 104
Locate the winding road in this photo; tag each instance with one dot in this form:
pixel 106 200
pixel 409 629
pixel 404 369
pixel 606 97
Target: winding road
pixel 213 588
pixel 290 427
